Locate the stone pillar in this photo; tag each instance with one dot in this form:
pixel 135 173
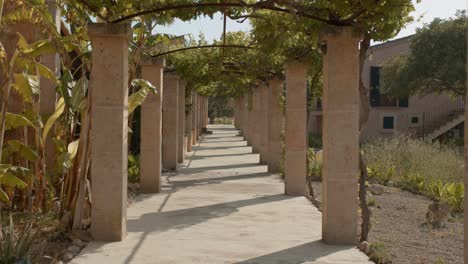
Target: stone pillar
pixel 200 115
pixel 109 129
pixel 465 229
pixel 181 149
pixel 194 118
pixel 239 113
pixel 296 132
pixel 206 112
pixel 340 136
pixel 254 120
pixel 275 125
pixel 188 124
pixel 170 121
pixel 48 95
pixel 151 128
pixel 263 123
pixel 249 118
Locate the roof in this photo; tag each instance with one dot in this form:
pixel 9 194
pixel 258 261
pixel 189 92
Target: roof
pixel 391 42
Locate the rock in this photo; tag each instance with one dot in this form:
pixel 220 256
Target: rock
pixel 437 214
pixel 65 221
pixel 365 247
pixel 74 250
pixel 376 189
pixel 68 256
pixel 56 207
pixel 77 242
pixel 391 184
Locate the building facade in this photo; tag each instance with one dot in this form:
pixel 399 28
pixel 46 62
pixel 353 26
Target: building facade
pixel 432 116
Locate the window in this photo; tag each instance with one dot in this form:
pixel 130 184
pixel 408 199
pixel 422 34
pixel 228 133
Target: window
pixel 415 120
pixel 377 98
pixel 388 122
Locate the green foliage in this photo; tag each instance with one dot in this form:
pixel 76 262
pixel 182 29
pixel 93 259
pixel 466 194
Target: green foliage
pixel 314 164
pixel 133 168
pixel 379 254
pixel 436 63
pixel 430 169
pixel 315 141
pixel 371 201
pixel 220 106
pixel 15 248
pixel 137 98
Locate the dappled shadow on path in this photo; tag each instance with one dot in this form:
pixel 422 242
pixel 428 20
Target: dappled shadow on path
pixel 299 254
pixel 184 218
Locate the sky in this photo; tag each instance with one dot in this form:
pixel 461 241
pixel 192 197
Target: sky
pixel 425 12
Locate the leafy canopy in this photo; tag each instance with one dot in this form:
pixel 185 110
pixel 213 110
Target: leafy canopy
pixel 436 63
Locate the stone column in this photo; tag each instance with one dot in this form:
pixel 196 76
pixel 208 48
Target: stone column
pixel 239 113
pixel 296 132
pixel 236 113
pixel 275 125
pixel 249 118
pixel 109 129
pixel 340 136
pixel 194 118
pixel 188 124
pixel 263 123
pixel 465 229
pixel 206 112
pixel 48 96
pixel 181 149
pixel 151 128
pixel 170 121
pixel 254 120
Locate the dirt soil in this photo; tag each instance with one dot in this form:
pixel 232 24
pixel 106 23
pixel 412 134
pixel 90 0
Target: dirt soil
pixel 398 223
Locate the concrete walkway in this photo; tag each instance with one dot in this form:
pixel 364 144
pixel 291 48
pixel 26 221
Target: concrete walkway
pixel 221 207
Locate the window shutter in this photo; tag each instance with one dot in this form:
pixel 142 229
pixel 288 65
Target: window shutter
pixel 374 95
pixel 403 102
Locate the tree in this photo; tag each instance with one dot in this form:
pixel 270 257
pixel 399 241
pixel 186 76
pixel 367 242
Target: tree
pixel 436 63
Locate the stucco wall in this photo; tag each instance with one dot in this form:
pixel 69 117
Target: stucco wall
pixel 378 55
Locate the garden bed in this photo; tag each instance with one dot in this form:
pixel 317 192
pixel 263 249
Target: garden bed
pixel 399 229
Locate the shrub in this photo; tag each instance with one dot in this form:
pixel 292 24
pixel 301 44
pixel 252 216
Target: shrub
pixel 133 168
pixel 379 254
pixel 15 248
pixel 315 141
pixel 314 164
pixel 431 169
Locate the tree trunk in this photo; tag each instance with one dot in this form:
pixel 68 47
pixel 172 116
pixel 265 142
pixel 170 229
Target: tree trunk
pixel 364 116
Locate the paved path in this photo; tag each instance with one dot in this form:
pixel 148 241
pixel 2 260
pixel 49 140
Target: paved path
pixel 221 207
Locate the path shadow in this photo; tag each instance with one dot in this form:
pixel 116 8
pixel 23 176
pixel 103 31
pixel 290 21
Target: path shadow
pixel 184 218
pixel 218 180
pixel 299 254
pixel 199 157
pixel 192 170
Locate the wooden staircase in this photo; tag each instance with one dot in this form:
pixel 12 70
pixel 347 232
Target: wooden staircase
pixel 443 118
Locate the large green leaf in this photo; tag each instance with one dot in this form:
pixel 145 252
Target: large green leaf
pixel 24 150
pixel 73 148
pixel 46 72
pixel 137 98
pixel 78 94
pixel 4 197
pixel 26 85
pixel 16 120
pixel 10 180
pixel 53 118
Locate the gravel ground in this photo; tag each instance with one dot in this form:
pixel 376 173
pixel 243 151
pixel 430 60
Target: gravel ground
pixel 398 222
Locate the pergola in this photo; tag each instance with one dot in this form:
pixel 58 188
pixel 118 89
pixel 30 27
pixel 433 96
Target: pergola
pixel 165 124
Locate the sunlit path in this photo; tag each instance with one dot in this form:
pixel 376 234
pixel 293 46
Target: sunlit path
pixel 221 207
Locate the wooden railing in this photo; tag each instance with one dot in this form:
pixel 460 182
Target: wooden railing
pixel 442 114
